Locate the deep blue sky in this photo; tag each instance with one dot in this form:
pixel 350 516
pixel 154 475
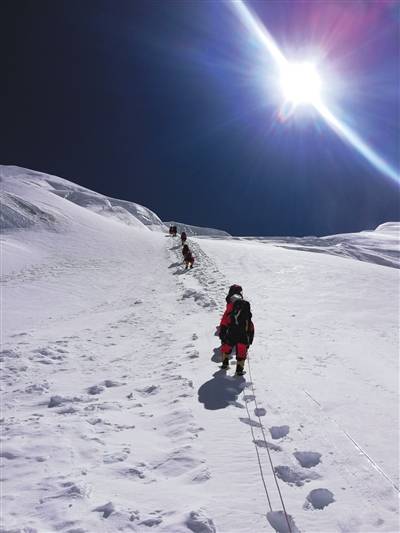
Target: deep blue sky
pixel 172 104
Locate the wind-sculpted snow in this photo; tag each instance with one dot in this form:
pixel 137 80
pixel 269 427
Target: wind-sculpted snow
pixel 26 202
pixel 381 246
pixel 18 213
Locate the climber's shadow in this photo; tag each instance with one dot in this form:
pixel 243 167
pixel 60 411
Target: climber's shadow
pixel 221 391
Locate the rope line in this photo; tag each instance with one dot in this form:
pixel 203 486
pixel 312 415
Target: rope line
pixel 258 456
pixel 266 447
pixel 360 449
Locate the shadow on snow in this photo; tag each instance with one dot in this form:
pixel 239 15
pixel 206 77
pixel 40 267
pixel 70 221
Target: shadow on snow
pixel 221 391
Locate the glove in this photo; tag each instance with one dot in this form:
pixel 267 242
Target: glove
pixel 222 333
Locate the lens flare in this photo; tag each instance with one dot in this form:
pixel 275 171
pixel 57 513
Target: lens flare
pixel 301 84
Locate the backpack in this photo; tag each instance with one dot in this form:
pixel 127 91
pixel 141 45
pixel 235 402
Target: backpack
pixel 241 313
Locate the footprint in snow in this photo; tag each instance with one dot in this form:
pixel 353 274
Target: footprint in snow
pixel 133 472
pixel 152 521
pixel 37 387
pixel 57 401
pixel 69 489
pixel 110 383
pixel 49 353
pixel 293 476
pixel 202 476
pixel 199 297
pixel 278 432
pixel 106 509
pixel 150 390
pixel 249 398
pixel 308 459
pixel 8 455
pixel 250 422
pixel 116 457
pixel 60 350
pixel 318 499
pixel 67 410
pixel 198 522
pixel 95 389
pixel 260 411
pixel 279 522
pixel 270 445
pixel 8 354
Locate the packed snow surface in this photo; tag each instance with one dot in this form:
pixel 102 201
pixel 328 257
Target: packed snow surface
pixel 115 414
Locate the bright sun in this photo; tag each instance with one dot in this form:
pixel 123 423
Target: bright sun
pixel 300 83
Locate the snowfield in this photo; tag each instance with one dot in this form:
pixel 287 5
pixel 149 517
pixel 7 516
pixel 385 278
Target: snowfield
pixel 115 414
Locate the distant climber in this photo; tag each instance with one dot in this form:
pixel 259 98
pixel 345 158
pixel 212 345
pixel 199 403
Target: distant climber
pixel 185 250
pixel 174 231
pixel 236 329
pixel 171 230
pixel 183 237
pixel 188 259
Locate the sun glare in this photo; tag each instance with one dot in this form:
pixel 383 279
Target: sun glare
pixel 300 83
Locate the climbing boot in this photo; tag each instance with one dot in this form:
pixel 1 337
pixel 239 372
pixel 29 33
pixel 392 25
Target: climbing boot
pixel 239 368
pixel 225 363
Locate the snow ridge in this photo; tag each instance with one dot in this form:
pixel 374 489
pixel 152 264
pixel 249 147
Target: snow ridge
pixel 19 213
pixel 381 246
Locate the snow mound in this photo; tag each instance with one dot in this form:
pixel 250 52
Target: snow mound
pixel 390 227
pixel 18 184
pixel 192 231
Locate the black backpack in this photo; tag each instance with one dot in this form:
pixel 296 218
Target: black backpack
pixel 241 313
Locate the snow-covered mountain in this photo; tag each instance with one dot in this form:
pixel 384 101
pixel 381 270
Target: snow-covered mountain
pixel 115 414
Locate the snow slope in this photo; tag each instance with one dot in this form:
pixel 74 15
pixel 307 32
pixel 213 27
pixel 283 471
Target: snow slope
pixel 116 416
pixel 381 246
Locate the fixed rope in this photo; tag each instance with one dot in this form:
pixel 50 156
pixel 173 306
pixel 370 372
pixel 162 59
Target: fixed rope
pixel 266 447
pixel 258 456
